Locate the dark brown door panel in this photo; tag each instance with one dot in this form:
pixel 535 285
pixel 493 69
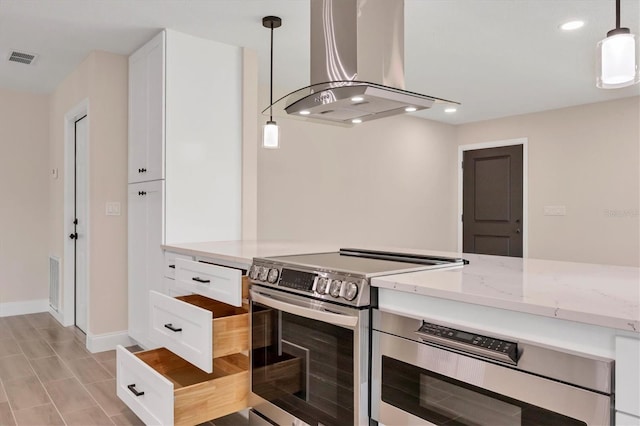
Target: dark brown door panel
pixel 492 195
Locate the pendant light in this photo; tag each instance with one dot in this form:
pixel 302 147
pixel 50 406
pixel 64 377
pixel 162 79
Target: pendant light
pixel 617 60
pixel 270 130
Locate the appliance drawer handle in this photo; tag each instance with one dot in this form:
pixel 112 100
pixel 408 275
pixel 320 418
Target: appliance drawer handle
pixel 328 317
pixel 172 328
pixel 200 280
pixel 132 388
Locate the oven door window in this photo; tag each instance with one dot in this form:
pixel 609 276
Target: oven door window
pixel 443 400
pixel 303 366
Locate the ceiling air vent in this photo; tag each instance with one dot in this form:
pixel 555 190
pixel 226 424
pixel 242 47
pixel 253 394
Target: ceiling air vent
pixel 22 57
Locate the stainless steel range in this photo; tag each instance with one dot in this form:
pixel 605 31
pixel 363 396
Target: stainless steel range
pixel 310 333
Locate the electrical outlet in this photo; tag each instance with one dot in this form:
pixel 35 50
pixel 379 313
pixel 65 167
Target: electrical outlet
pixel 555 210
pixel 113 208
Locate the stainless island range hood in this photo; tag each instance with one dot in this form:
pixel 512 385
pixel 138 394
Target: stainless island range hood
pixel 357 64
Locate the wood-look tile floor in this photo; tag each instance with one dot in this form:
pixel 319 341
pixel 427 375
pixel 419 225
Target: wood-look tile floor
pixel 47 377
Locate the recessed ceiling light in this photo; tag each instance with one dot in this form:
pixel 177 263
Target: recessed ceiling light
pixel 305 112
pixel 357 99
pixel 572 25
pixel 356 121
pixel 450 110
pixel 411 109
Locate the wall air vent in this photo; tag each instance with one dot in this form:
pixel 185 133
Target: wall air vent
pixel 22 57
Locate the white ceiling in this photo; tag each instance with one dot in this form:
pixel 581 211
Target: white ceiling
pixel 496 57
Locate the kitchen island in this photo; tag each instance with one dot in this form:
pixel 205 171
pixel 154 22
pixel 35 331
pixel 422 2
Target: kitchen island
pixel 592 309
pixel 600 295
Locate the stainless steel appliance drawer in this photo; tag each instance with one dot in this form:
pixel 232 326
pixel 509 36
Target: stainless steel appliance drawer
pixel 417 381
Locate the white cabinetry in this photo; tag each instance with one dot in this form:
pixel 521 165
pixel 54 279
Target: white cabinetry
pixel 185 133
pixel 628 380
pixel 146 231
pixel 146 110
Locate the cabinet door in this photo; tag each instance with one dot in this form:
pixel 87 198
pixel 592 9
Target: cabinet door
pixel 146 259
pixel 203 139
pixel 628 375
pixel 146 111
pixel 626 420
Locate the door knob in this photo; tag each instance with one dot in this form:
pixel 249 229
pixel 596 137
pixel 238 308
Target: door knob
pixel 518 231
pixel 74 236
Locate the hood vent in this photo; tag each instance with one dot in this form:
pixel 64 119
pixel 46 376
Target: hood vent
pixel 22 57
pixel 357 64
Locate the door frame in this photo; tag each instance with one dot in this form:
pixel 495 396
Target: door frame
pixel 525 185
pixel 68 295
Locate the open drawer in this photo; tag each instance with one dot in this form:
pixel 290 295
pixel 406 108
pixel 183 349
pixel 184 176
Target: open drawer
pixel 163 389
pixel 227 285
pixel 198 328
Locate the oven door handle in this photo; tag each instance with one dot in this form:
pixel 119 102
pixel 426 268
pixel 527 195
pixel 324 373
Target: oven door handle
pixel 314 314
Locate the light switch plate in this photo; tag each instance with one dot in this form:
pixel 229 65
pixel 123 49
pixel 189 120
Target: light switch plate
pixel 113 208
pixel 555 210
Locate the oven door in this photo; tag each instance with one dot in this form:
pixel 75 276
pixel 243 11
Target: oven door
pixel 418 384
pixel 308 359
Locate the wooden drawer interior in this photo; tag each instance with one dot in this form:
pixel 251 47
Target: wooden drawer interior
pixel 230 324
pixel 201 396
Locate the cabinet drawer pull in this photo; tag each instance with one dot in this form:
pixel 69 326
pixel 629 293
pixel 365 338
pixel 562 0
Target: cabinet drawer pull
pixel 172 266
pixel 200 280
pixel 172 328
pixel 142 170
pixel 132 388
pixel 142 192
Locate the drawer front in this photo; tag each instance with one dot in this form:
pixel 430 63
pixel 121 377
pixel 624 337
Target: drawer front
pixel 170 263
pixel 216 282
pixel 184 329
pixel 154 402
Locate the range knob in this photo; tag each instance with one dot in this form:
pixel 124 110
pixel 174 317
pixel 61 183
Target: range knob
pixel 334 288
pixel 264 273
pixel 273 275
pixel 350 290
pixel 253 272
pixel 321 287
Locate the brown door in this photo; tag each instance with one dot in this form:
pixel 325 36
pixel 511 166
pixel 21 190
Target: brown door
pixel 492 201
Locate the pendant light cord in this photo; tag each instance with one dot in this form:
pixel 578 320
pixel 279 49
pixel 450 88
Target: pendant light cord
pixel 271 79
pixel 617 20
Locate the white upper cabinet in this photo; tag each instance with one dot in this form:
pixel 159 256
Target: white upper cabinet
pixel 185 126
pixel 146 111
pixel 203 139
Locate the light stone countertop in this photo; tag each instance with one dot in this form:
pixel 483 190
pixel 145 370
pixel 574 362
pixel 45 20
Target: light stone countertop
pixel 242 252
pixel 603 295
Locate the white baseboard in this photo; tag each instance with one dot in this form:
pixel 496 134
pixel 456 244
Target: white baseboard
pixel 108 341
pixel 24 307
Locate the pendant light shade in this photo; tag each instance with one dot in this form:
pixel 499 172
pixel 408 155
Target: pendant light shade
pixel 270 131
pixel 270 135
pixel 617 58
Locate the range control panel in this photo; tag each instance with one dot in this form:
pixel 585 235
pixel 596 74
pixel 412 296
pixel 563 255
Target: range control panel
pixel 497 349
pixel 338 288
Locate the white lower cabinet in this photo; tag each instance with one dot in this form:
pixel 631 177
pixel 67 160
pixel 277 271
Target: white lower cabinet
pixel 146 234
pixel 201 372
pixel 623 419
pixel 627 378
pixel 170 288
